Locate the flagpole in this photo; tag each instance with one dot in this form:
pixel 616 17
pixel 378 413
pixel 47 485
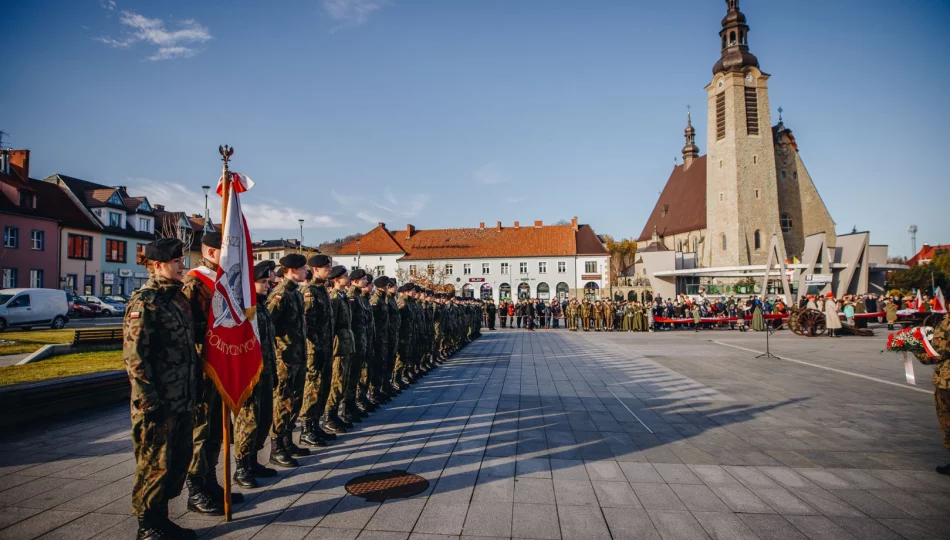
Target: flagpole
pixel 226 153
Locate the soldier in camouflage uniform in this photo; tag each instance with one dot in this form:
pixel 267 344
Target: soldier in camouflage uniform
pixel 343 349
pixel 403 362
pixel 394 323
pixel 376 380
pixel 438 327
pixel 361 314
pixel 252 423
pixel 941 381
pixel 205 495
pixel 319 316
pixel 160 358
pixel 286 306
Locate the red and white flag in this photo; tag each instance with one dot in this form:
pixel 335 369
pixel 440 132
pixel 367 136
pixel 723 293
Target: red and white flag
pixel 940 303
pixel 919 303
pixel 232 347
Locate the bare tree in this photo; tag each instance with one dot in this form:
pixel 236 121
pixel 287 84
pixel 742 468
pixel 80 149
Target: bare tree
pixel 176 225
pixel 433 277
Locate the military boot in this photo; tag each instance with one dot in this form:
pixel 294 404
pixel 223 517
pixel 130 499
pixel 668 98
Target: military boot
pixel 243 475
pixel 332 424
pixel 279 455
pixel 292 448
pixel 944 469
pixel 364 405
pixel 176 531
pixel 258 470
pixel 151 528
pixel 311 435
pixel 199 500
pixel 326 434
pixel 215 490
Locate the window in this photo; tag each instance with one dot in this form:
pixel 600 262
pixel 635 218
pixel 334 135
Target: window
pixel 27 199
pixel 504 268
pixel 448 269
pixel 115 219
pixel 145 225
pixel 89 285
pixel 430 269
pixel 257 256
pixel 542 268
pixel 724 244
pixel 756 194
pixel 36 279
pixel 721 116
pixel 21 301
pixel 467 269
pixel 757 240
pixel 590 267
pixel 79 247
pixel 523 267
pixel 486 268
pixel 782 175
pixel 412 269
pixel 751 111
pixel 70 283
pixel 115 251
pixel 273 255
pixel 794 175
pixel 11 237
pixel 37 240
pixel 786 221
pixel 9 278
pixel 561 267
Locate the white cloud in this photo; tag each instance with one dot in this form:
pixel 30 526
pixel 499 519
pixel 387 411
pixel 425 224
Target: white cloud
pixel 369 218
pixel 108 5
pixel 259 215
pixel 351 12
pixel 178 43
pixel 405 207
pixel 489 174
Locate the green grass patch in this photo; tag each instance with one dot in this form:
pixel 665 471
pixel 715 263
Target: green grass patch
pixel 62 366
pixel 28 342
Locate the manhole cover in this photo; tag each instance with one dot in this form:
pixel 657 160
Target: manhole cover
pixel 378 487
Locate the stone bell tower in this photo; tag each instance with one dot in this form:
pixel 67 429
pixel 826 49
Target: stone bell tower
pixel 741 194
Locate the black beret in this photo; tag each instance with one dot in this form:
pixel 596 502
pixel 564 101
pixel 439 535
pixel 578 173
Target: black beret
pixel 163 250
pixel 319 261
pixel 279 272
pixel 406 287
pixel 211 239
pixel 337 271
pixel 416 287
pixel 358 273
pixel 381 281
pixel 294 260
pixel 392 282
pixel 263 269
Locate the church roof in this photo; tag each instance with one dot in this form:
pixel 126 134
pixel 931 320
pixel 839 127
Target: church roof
pixel 682 205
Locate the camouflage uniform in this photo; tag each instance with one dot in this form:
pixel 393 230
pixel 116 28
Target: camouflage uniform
pixel 394 323
pixel 343 349
pixel 319 315
pixel 376 373
pixel 407 331
pixel 286 306
pixel 208 430
pixel 585 315
pixel 360 324
pixel 160 358
pixel 252 423
pixel 941 378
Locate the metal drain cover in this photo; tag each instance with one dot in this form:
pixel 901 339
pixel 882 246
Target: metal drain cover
pixel 378 487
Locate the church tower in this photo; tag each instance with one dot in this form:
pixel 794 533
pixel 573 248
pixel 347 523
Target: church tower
pixel 741 194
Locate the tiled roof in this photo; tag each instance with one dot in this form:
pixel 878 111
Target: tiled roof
pixel 376 242
pixel 682 205
pixel 263 245
pixel 472 243
pixel 926 253
pixel 52 202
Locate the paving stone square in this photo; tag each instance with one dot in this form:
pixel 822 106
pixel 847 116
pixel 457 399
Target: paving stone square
pixel 557 435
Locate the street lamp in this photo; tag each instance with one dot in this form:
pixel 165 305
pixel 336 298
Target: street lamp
pixel 207 227
pixel 301 235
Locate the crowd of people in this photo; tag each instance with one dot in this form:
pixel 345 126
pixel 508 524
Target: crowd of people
pixel 336 344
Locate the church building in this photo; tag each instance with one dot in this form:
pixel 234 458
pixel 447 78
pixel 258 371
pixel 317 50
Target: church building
pixel 726 205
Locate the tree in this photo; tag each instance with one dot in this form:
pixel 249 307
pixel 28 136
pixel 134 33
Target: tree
pixel 330 247
pixel 923 276
pixel 433 277
pixel 622 254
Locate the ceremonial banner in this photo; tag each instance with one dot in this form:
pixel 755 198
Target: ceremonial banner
pixel 940 303
pixel 232 345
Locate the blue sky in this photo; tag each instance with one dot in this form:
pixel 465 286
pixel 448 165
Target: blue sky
pixel 446 113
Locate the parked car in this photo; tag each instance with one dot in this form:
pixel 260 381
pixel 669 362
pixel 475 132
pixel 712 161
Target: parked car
pixel 80 308
pixel 26 308
pixel 116 298
pixel 107 307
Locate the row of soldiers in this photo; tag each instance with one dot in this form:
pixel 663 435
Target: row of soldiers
pixel 336 345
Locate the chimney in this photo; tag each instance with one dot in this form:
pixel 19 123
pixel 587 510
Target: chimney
pixel 498 226
pixel 19 162
pixel 410 230
pixel 517 224
pixel 481 224
pixel 159 207
pixel 537 223
pixel 197 216
pixel 381 225
pixel 123 189
pixel 574 223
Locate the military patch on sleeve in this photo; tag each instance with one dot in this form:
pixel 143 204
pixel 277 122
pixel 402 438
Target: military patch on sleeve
pixel 277 296
pixel 307 295
pixel 135 315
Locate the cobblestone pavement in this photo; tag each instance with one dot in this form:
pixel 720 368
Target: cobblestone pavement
pixel 551 435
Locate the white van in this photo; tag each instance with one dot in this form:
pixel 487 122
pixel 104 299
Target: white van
pixel 26 308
